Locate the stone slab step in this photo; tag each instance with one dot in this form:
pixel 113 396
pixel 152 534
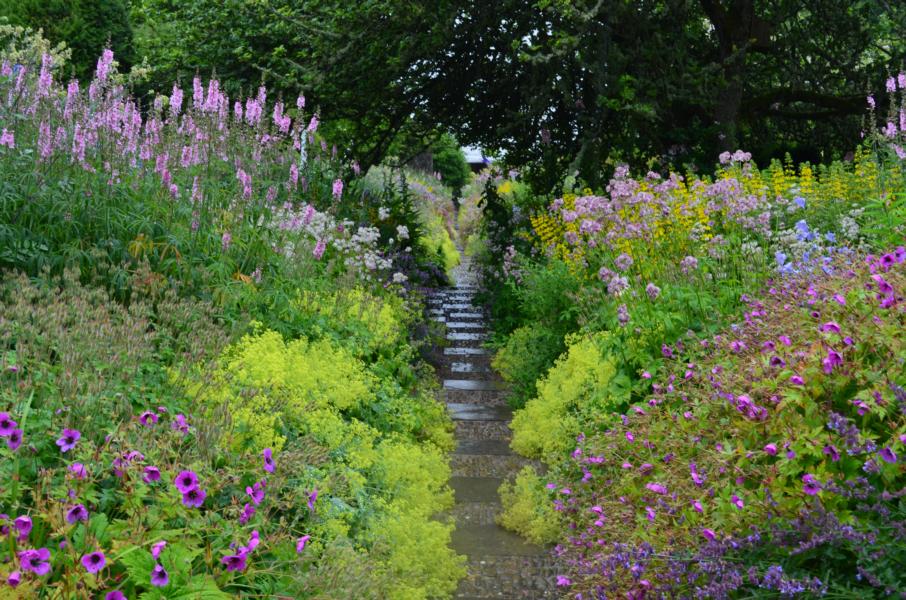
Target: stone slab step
pixel 481 398
pixel 491 447
pixel 458 306
pixel 510 578
pixel 467 325
pixel 466 336
pixel 483 430
pixel 461 411
pixel 474 385
pixel 476 513
pixel 486 465
pixel 471 366
pixel 466 351
pixel 475 489
pixel 467 315
pixel 476 540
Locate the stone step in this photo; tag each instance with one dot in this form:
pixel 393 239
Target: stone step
pixel 475 489
pixel 510 578
pixel 488 446
pixel 474 365
pixel 461 411
pixel 482 398
pixel 467 316
pixel 476 540
pixel 457 306
pixel 466 351
pixel 483 430
pixel 474 385
pixel 476 513
pixel 469 325
pixel 487 465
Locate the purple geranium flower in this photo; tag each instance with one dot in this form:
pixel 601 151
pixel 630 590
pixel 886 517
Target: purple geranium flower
pixel 194 498
pixel 268 460
pixel 831 450
pixel 797 380
pixel 312 497
pixel 771 449
pixel 76 513
pixel 78 470
pixel 115 595
pixel 148 418
pixel 23 525
pixel 36 561
pixel 300 543
pixel 708 534
pixel 7 425
pixel 810 485
pixel 159 576
pixel 888 455
pixel 157 548
pixel 14 440
pixel 186 481
pixel 256 492
pixel 656 488
pixel 14 578
pixel 68 439
pixel 151 474
pixel 248 511
pixel 235 562
pixel 94 561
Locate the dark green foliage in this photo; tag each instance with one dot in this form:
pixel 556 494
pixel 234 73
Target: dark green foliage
pixel 450 162
pixel 85 26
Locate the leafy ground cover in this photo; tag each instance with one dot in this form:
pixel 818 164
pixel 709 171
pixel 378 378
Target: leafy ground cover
pixel 207 382
pixel 712 367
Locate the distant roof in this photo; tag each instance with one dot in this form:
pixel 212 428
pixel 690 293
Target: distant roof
pixel 474 155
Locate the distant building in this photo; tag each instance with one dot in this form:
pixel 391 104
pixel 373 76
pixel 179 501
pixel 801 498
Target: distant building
pixel 476 158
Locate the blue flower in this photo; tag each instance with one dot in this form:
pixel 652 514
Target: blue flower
pixel 799 201
pixel 830 237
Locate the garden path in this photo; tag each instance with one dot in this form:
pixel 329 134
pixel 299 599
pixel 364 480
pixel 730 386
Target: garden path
pixel 501 564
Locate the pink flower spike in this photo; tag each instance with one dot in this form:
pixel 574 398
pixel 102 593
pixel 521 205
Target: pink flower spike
pixel 301 542
pixel 312 498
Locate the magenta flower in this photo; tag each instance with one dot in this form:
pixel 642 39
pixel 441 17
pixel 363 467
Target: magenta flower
pixel 771 449
pixel 300 543
pixel 785 340
pixel 23 525
pixel 14 440
pixel 94 561
pixel 312 497
pixel 810 485
pixel 797 380
pixel 630 437
pixel 7 425
pixel 14 578
pixel 888 455
pixel 337 189
pixel 830 326
pixel 76 513
pixel 831 450
pixel 179 424
pixel 186 481
pixel 697 506
pixel 563 581
pixel 159 576
pixel 68 439
pixel 235 562
pixel 148 418
pixel 151 474
pixel 656 488
pixel 256 492
pixel 157 548
pixel 737 502
pixel 883 286
pixel 254 540
pixel 36 561
pixel 248 511
pixel 666 351
pixel 649 513
pixel 268 460
pixel 78 470
pixel 831 361
pixel 115 595
pixel 708 534
pixel 194 498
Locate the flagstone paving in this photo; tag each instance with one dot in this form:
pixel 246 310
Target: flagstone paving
pixel 501 564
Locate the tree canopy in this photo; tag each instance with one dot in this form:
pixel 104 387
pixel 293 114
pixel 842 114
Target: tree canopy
pixel 555 86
